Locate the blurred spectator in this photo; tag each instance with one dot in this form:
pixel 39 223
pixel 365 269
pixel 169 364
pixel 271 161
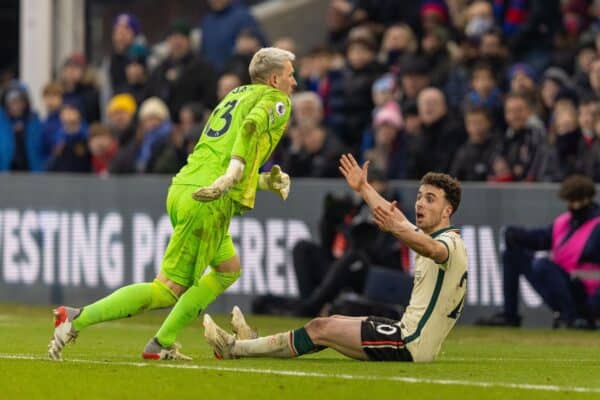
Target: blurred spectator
pixel 313 70
pixel 21 142
pixel 182 77
pixel 349 96
pixel 479 19
pixel 103 148
pixel 136 73
pixel 414 77
pixel 77 87
pixel 126 27
pixel 398 44
pixel 574 241
pixel 555 84
pixel 522 79
pixel 384 147
pixel 53 99
pixel 286 43
pixel 379 14
pixel 154 131
pixel 192 115
pixel 594 77
pixel 434 47
pixel 524 136
pixel 226 83
pixel 121 118
pixel 474 159
pixel 441 137
pixel 587 110
pixel 530 27
pixel 338 22
pixel 434 14
pixel 313 152
pixel 246 44
pixel 557 159
pixel 493 51
pixel 485 93
pixel 220 28
pixel 584 58
pixel 384 90
pixel 70 153
pixel 590 161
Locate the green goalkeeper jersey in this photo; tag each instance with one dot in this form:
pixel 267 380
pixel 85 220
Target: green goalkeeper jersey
pixel 247 124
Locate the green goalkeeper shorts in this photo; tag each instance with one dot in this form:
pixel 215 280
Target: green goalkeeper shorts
pixel 200 235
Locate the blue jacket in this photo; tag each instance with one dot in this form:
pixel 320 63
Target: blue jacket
pixel 33 142
pixel 220 30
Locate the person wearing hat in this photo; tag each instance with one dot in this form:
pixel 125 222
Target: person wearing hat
pixel 21 141
pixel 77 90
pixel 126 28
pixel 569 279
pixel 182 77
pixel 120 114
pixel 70 151
pixel 155 129
pixel 136 73
pixel 384 147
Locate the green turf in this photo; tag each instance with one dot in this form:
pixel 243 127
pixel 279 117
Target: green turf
pixel 105 364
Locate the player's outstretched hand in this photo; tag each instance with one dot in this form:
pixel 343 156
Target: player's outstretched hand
pixel 207 193
pixel 279 182
pixel 354 174
pixel 388 219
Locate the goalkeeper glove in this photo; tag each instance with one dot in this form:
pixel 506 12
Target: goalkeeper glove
pixel 276 181
pixel 221 184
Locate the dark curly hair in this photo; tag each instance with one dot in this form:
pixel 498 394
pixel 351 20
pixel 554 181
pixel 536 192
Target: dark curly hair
pixel 448 184
pixel 577 188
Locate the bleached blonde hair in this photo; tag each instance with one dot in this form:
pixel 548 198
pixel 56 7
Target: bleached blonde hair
pixel 266 61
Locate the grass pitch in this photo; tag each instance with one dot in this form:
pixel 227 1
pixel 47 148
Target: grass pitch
pixel 105 363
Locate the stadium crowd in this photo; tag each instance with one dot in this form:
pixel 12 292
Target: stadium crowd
pixel 486 90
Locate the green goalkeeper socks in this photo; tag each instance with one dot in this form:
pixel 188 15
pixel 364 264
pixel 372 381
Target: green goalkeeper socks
pixel 194 300
pixel 125 302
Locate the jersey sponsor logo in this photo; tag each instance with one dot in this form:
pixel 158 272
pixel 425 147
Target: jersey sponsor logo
pixel 280 108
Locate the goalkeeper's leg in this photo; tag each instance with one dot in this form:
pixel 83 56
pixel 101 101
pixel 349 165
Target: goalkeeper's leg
pixel 125 302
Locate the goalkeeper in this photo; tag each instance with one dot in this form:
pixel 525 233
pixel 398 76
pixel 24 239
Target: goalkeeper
pixel 220 179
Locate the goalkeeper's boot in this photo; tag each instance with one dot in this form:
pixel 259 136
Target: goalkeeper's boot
pixel 221 341
pixel 64 333
pixel 242 330
pixel 155 351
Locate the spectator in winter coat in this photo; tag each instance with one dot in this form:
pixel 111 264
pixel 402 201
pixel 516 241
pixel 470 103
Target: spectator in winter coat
pixel 220 28
pixel 103 148
pixel 182 77
pixel 524 136
pixel 474 159
pixel 441 137
pixel 120 114
pixel 350 93
pixel 70 153
pixel 154 132
pixel 21 142
pixel 53 100
pixel 77 89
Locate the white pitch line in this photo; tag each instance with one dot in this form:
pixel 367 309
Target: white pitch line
pixel 404 379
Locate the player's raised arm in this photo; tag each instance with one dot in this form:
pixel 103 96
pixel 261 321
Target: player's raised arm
pixel 390 219
pixel 356 177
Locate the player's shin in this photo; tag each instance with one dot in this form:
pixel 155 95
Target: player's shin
pixel 192 302
pixel 125 302
pixel 285 345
